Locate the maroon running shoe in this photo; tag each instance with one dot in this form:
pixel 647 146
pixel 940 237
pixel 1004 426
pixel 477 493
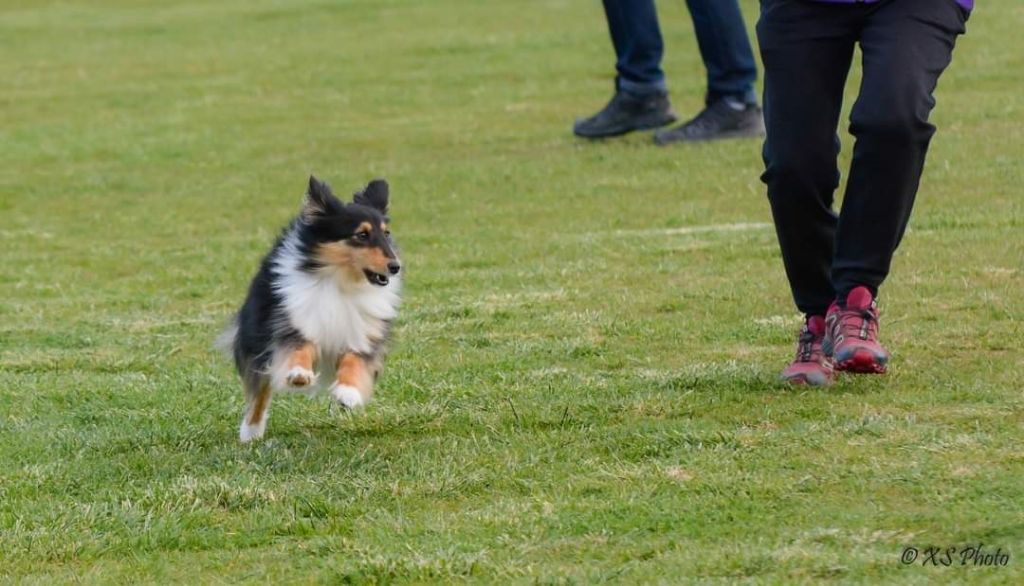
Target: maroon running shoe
pixel 811 366
pixel 851 338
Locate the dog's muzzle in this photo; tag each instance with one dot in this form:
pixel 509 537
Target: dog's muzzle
pixel 376 278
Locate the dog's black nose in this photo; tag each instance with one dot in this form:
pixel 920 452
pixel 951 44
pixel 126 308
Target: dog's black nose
pixel 394 267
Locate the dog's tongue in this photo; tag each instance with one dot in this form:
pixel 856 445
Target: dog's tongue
pixel 859 298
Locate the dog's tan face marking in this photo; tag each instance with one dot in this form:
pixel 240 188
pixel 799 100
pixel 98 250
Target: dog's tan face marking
pixel 378 260
pixel 353 259
pixel 340 255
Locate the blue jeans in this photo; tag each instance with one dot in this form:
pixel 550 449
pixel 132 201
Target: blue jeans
pixel 721 36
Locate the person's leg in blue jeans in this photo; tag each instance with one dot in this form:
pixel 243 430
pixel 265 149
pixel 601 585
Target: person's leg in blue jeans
pixel 636 36
pixel 725 49
pixel 721 37
pixel 731 104
pixel 641 99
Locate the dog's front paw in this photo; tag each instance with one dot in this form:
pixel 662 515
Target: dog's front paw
pixel 348 396
pixel 299 377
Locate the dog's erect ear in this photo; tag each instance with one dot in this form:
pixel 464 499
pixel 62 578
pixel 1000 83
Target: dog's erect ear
pixel 375 195
pixel 319 199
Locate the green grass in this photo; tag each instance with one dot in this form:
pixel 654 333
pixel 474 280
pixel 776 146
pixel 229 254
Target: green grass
pixel 573 397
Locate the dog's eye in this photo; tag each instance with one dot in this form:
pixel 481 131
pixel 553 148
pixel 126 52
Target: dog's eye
pixel 362 236
pixel 387 233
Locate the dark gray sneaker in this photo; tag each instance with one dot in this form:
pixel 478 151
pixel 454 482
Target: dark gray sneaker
pixel 627 112
pixel 718 120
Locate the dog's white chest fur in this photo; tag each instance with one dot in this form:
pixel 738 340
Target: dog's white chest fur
pixel 336 315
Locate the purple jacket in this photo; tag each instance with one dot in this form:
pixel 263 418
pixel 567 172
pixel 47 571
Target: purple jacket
pixel 966 4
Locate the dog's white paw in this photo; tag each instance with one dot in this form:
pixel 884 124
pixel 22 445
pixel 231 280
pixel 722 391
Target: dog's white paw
pixel 299 377
pixel 347 396
pixel 248 432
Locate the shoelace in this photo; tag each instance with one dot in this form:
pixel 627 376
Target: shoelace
pixel 805 346
pixel 868 322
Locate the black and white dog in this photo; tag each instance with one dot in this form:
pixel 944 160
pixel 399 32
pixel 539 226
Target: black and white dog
pixel 322 301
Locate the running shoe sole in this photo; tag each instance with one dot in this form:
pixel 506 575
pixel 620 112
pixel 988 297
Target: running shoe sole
pixel 646 123
pixel 814 379
pixel 861 361
pixel 662 140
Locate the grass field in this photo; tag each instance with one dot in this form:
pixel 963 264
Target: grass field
pixel 583 386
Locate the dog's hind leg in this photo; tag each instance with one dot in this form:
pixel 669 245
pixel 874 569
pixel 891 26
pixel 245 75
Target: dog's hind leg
pixel 257 408
pixel 354 385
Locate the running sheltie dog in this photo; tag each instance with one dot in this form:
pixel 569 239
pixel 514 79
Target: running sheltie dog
pixel 321 303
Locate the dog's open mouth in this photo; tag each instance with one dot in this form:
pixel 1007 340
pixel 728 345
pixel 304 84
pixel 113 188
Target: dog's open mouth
pixel 376 278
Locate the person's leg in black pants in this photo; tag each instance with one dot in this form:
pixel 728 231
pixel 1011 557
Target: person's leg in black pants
pixel 906 45
pixel 807 49
pixel 836 264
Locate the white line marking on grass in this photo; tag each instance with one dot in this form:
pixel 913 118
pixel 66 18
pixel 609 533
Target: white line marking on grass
pixel 516 298
pixel 683 230
pixel 1000 271
pixel 25 233
pixel 779 320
